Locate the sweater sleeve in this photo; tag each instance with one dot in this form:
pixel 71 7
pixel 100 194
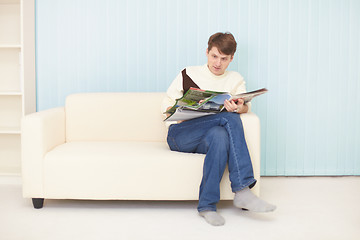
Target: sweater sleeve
pixel 175 91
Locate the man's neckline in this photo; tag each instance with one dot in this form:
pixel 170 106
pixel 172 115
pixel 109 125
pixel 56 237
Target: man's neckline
pixel 207 70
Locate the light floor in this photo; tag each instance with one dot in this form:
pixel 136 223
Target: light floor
pixel 322 208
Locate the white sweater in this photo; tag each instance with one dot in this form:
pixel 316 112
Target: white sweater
pixel 230 81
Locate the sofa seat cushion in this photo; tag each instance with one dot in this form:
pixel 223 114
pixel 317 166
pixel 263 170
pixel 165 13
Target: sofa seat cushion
pixel 123 170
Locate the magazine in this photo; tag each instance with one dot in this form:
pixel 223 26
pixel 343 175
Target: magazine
pixel 197 103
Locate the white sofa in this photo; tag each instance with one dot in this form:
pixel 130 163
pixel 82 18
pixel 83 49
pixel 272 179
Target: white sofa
pixel 113 146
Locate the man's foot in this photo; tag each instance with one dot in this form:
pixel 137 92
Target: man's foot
pixel 213 218
pixel 245 199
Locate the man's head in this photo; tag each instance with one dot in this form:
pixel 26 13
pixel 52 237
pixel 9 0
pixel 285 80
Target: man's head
pixel 220 52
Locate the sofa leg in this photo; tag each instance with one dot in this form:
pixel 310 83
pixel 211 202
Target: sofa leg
pixel 38 202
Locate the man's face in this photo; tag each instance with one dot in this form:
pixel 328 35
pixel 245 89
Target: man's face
pixel 217 62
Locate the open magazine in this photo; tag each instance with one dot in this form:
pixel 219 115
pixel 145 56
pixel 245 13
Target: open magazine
pixel 197 103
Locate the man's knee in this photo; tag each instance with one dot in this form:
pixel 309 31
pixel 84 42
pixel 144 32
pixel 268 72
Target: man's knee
pixel 230 115
pixel 231 118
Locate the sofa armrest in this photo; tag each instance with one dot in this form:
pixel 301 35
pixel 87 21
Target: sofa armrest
pixel 41 132
pixel 251 123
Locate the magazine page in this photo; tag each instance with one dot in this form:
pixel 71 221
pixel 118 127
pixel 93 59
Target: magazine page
pixel 248 96
pixel 183 114
pixel 197 103
pixel 215 103
pixel 194 98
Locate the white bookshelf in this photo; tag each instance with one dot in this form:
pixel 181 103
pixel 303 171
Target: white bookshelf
pixel 17 78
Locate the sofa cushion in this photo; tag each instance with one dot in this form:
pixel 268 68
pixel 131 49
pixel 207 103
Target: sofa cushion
pixel 114 117
pixel 123 170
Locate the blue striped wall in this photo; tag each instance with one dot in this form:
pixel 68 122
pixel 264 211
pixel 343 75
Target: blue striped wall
pixel 306 52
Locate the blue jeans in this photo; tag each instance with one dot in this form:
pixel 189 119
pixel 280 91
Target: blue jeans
pixel 221 138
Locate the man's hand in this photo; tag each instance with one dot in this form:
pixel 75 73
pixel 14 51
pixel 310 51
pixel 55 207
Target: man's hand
pixel 238 107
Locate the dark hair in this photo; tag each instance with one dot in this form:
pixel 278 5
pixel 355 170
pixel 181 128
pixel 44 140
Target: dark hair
pixel 225 43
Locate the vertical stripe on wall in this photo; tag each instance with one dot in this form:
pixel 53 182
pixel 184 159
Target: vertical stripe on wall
pixel 306 52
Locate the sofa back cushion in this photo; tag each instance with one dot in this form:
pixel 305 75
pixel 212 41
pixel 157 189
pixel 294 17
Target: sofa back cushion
pixel 114 117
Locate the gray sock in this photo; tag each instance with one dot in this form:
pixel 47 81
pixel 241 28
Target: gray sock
pixel 245 199
pixel 213 218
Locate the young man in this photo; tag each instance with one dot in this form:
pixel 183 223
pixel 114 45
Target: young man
pixel 219 136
